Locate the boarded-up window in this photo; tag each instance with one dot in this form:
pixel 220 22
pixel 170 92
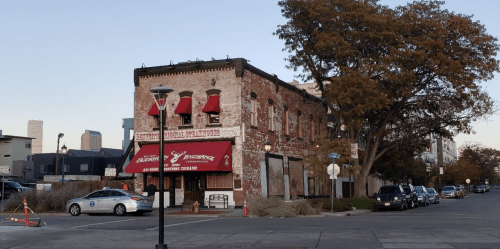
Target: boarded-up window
pixel 220 180
pixel 276 179
pixel 296 178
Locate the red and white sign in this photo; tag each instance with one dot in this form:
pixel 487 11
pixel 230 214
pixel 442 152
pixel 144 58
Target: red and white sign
pixel 194 156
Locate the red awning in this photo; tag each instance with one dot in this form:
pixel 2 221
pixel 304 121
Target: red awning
pixel 184 106
pixel 153 111
pixel 212 105
pixel 193 156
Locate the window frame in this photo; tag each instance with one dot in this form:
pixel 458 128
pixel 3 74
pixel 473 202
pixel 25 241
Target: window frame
pixel 285 121
pixel 253 111
pixel 84 170
pixel 299 124
pixel 270 117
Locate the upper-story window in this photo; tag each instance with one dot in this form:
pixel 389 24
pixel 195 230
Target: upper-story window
pixel 285 121
pixel 153 111
pixel 270 115
pixel 299 124
pixel 311 128
pixel 184 108
pixel 212 107
pixel 253 109
pixel 27 145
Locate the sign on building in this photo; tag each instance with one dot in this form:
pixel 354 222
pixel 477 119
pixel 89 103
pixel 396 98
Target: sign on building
pixel 4 169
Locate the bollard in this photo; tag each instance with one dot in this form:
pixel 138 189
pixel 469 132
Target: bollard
pixel 25 202
pixel 196 206
pixel 245 211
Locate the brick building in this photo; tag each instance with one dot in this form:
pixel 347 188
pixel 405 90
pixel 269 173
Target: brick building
pixel 218 118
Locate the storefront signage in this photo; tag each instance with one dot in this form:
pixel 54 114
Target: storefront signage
pixel 188 134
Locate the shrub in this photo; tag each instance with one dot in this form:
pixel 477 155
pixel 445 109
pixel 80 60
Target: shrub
pixel 272 206
pixel 45 201
pixel 363 203
pixel 304 207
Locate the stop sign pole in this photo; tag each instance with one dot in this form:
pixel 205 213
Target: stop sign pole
pixel 333 170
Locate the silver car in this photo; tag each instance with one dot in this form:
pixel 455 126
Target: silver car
pixel 449 192
pixel 108 200
pixel 433 195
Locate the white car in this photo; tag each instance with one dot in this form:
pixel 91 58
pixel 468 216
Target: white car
pixel 108 200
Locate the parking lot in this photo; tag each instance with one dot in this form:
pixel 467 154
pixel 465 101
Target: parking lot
pixel 472 222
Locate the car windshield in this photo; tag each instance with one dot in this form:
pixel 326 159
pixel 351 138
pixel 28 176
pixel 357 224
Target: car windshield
pixel 431 191
pixel 448 188
pixel 16 185
pixel 407 190
pixel 388 190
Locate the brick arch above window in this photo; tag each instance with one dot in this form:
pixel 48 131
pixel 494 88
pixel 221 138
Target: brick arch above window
pixel 213 92
pixel 186 94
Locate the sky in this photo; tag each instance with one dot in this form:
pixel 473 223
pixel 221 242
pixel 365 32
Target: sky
pixel 71 63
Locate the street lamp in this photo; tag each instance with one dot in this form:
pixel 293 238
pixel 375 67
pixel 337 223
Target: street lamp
pixel 57 153
pixel 267 148
pixel 64 150
pixel 160 96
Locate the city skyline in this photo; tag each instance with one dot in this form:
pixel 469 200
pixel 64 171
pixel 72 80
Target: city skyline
pixel 71 64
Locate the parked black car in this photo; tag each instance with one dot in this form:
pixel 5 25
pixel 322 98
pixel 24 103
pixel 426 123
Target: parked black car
pixel 11 187
pixel 411 196
pixel 391 196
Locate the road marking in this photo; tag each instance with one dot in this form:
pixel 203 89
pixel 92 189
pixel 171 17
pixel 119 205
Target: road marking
pixel 178 224
pixel 95 224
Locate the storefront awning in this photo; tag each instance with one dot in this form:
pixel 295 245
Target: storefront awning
pixel 193 156
pixel 153 111
pixel 184 106
pixel 212 105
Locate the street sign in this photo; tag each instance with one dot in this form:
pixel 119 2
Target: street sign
pixel 440 170
pixel 333 155
pixel 4 169
pixel 333 170
pixel 354 150
pixel 467 181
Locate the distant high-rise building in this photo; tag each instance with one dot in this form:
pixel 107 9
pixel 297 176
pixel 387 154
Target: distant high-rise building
pixel 35 130
pixel 91 140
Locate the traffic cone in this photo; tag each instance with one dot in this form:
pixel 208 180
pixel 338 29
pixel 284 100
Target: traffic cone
pixel 245 210
pixel 27 220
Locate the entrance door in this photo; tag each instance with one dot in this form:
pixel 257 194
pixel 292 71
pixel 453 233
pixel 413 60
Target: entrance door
pixel 194 187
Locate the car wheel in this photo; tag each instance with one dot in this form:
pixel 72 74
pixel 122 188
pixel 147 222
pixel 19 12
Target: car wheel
pixel 120 210
pixel 416 204
pixel 406 205
pixel 428 202
pixel 75 210
pixel 402 207
pixel 412 204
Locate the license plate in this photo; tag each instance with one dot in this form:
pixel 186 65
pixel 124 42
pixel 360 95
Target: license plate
pixel 387 204
pixel 145 201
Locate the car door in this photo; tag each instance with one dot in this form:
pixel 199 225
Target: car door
pixel 109 201
pixel 92 203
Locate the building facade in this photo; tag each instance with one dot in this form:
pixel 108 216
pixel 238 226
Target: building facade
pixel 12 149
pixel 91 140
pixel 441 151
pixel 218 118
pixel 35 130
pixel 77 163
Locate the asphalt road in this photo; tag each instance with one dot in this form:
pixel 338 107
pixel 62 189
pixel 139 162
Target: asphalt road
pixel 472 222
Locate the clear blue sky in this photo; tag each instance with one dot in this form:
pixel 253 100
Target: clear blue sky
pixel 71 63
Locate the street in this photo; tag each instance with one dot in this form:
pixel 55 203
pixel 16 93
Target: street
pixel 472 222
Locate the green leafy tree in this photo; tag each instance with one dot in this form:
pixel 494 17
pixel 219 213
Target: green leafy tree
pixel 391 75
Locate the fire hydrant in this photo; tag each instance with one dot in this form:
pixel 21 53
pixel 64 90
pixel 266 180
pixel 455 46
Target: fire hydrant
pixel 196 207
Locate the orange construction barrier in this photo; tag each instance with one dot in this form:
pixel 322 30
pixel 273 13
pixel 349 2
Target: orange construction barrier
pixel 26 215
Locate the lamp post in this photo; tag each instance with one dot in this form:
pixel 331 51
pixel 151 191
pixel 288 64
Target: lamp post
pixel 267 148
pixel 64 149
pixel 160 96
pixel 57 153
